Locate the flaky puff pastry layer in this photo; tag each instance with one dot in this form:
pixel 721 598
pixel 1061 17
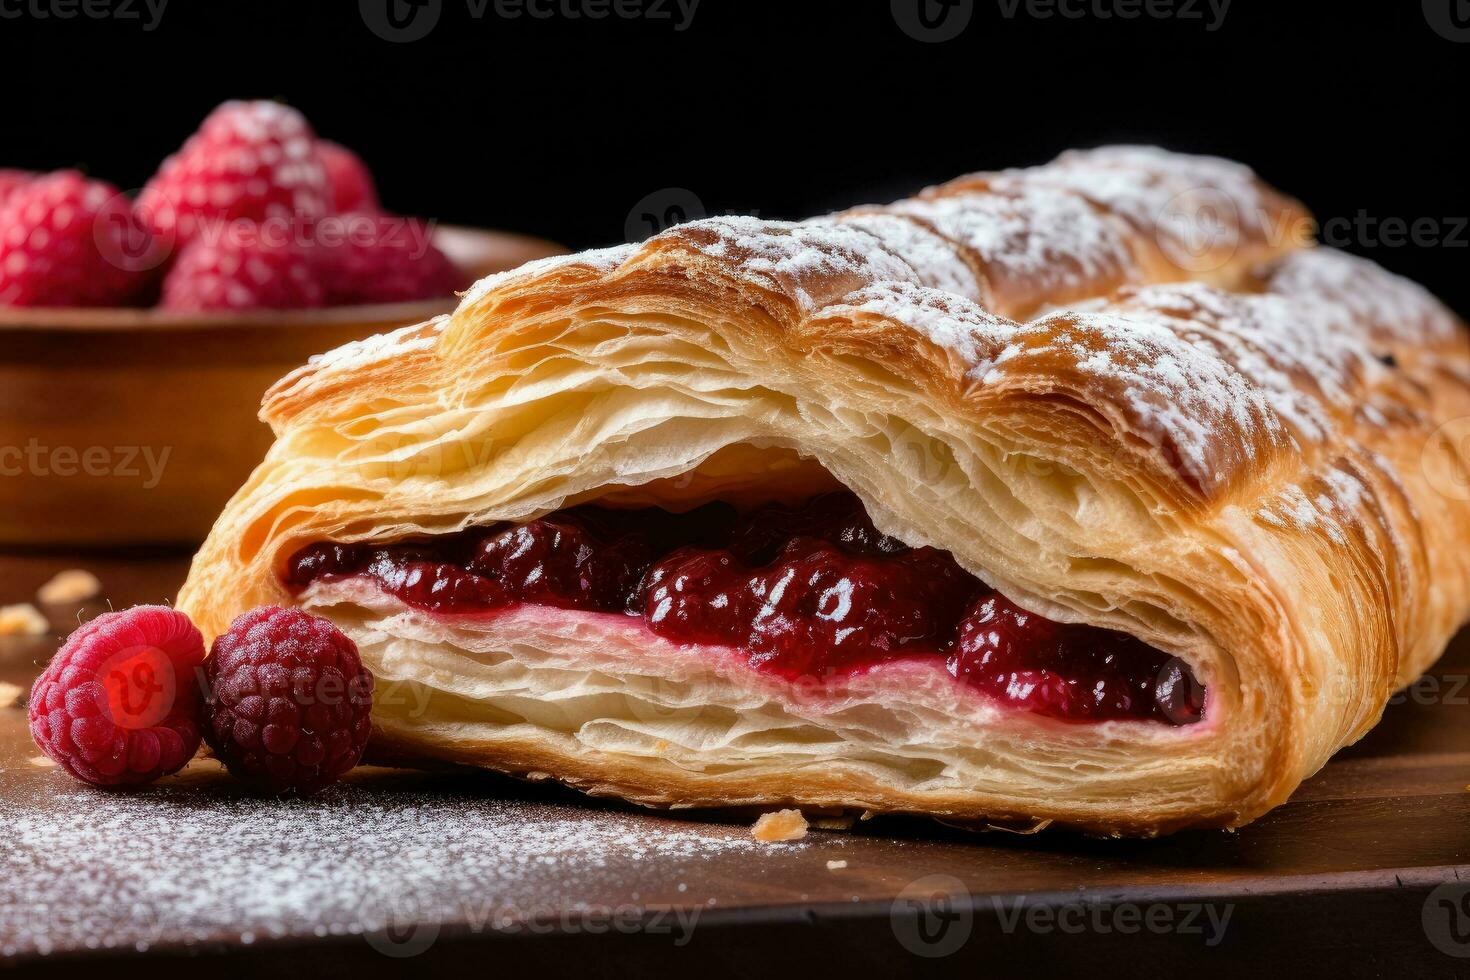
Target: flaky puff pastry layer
pixel 1121 388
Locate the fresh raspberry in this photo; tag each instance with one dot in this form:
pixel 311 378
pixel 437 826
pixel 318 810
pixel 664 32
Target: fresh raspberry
pixel 243 268
pixel 253 160
pixel 288 700
pixel 11 179
pixel 69 241
pixel 350 179
pixel 369 258
pixel 118 703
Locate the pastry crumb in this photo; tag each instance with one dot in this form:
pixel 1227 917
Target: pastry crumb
pixel 71 586
pixel 10 694
pixel 836 865
pixel 779 825
pixel 41 762
pixel 23 619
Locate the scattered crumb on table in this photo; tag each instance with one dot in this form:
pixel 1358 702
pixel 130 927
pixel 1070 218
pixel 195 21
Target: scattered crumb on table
pixel 71 586
pixel 836 865
pixel 10 694
pixel 23 619
pixel 780 825
pixel 41 762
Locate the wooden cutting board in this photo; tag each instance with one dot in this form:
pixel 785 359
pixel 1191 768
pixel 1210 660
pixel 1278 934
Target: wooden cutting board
pixel 1365 871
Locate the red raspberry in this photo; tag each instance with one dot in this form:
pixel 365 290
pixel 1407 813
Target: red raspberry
pixel 11 179
pixel 349 178
pixel 69 241
pixel 369 258
pixel 118 703
pixel 288 700
pixel 243 268
pixel 253 160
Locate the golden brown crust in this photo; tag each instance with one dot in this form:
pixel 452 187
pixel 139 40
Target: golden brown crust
pixel 1224 444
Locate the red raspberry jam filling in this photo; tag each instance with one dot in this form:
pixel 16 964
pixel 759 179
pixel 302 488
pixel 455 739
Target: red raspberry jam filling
pixel 806 592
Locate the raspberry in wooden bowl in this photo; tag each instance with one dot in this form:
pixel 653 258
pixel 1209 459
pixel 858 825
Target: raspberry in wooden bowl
pixel 140 332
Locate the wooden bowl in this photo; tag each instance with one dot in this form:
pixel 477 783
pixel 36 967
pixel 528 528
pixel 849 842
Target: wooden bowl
pixel 128 427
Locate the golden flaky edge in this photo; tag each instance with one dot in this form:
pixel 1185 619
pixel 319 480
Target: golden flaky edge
pixel 1237 451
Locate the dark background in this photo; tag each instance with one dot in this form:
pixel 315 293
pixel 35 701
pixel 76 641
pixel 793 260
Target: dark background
pixel 560 126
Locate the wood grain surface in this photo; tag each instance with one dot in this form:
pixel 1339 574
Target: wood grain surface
pixel 1365 872
pixel 134 426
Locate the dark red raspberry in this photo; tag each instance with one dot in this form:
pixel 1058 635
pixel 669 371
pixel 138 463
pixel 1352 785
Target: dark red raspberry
pixel 69 241
pixel 243 267
pixel 250 160
pixel 349 178
pixel 379 258
pixel 288 700
pixel 118 703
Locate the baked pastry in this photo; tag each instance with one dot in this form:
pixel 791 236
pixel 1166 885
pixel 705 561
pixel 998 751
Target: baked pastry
pixel 1089 493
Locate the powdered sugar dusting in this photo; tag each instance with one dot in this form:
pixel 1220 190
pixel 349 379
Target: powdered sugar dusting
pixel 181 865
pixel 1213 378
pixel 976 336
pixel 1318 374
pixel 1365 297
pixel 599 260
pixel 1331 503
pixel 1180 396
pixel 1290 508
pixel 356 353
pixel 1036 242
pixel 1139 182
pixel 359 354
pixel 933 258
pixel 814 261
